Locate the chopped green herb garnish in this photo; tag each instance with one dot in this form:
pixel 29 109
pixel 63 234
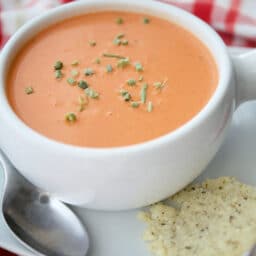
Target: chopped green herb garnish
pixel 126 95
pixel 160 85
pixel 58 65
pixel 123 92
pixel 131 82
pixel 29 90
pixel 122 63
pixel 140 78
pixel 82 102
pixel 88 72
pixel 119 36
pixel 117 41
pixel 97 61
pixel 143 93
pixel 81 108
pixel 109 68
pixel 74 73
pixel 146 20
pixel 58 74
pixel 71 81
pixel 92 43
pixel 125 42
pixel 83 84
pixel 75 63
pixel 70 117
pixel 119 20
pixel 150 106
pixel 111 55
pixel 157 85
pixel 91 93
pixel 138 67
pixel 135 104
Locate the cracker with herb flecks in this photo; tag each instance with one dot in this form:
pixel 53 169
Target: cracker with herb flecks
pixel 215 218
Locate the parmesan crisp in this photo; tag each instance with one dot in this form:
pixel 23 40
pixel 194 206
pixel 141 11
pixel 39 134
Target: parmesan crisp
pixel 215 218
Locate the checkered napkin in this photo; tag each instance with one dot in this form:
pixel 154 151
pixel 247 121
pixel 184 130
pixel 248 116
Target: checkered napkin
pixel 234 20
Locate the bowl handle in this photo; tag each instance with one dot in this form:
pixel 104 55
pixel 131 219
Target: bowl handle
pixel 245 74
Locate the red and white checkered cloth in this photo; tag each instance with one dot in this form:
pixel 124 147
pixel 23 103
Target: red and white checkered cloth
pixel 234 20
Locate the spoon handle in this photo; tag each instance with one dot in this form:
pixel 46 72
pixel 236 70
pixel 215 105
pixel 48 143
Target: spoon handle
pixel 7 168
pixel 3 160
pixel 13 180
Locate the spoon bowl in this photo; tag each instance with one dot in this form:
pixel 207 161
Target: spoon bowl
pixel 40 222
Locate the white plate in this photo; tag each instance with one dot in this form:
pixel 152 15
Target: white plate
pixel 119 233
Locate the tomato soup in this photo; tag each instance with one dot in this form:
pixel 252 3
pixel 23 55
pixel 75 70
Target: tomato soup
pixel 110 79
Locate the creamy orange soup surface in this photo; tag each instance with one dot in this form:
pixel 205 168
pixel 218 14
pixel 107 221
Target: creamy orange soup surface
pixel 110 79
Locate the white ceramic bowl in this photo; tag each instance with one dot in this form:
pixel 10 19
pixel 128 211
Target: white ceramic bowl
pixel 131 176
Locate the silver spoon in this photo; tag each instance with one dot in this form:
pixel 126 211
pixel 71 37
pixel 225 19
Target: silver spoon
pixel 43 224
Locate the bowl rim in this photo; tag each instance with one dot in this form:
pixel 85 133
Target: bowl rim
pixel 9 116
